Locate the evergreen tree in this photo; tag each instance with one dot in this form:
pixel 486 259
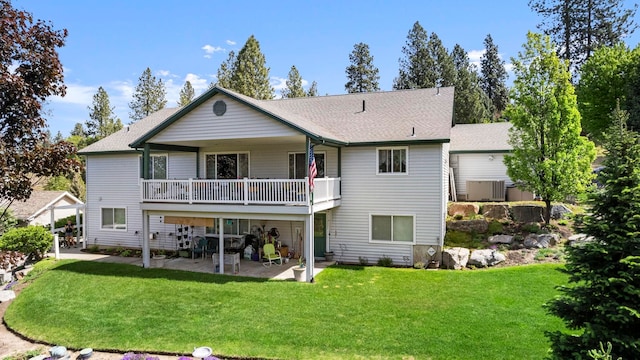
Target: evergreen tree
pixel 313 89
pixel 580 27
pixel 549 157
pixel 294 87
pixel 493 77
pixel 470 103
pixel 148 97
pixel 78 130
pixel 187 93
pixel 226 71
pixel 250 75
pixel 103 121
pixel 601 303
pixel 362 75
pixel 426 63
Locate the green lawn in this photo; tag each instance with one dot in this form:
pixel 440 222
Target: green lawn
pixel 349 313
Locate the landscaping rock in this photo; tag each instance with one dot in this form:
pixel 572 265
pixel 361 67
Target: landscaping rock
pixel 496 211
pixel 463 209
pixel 540 241
pixel 579 239
pixel 528 213
pixel 560 211
pixel 478 226
pixel 485 257
pixel 6 295
pixel 455 258
pixel 501 239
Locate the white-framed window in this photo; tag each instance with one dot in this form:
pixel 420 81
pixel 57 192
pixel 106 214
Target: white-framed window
pixel 158 166
pixel 227 165
pixel 113 218
pixel 392 228
pixel 230 227
pixel 298 164
pixel 393 160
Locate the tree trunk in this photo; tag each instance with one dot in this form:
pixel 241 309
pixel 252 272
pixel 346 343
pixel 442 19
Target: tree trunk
pixel 547 211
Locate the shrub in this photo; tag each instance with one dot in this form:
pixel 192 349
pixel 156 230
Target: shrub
pixel 363 260
pixel 94 249
pixel 419 265
pixel 385 261
pixel 495 227
pixel 533 228
pixel 454 238
pixel 33 240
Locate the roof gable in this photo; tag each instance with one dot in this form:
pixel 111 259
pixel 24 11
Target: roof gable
pixel 39 202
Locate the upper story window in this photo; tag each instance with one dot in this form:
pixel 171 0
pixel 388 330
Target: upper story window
pixel 298 165
pixel 392 160
pixel 227 166
pixel 157 166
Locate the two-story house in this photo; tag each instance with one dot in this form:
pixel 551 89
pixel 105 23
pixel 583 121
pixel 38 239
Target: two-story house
pixel 227 165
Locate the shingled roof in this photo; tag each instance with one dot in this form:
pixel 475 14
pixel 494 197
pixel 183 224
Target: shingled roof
pixel 480 138
pixel 39 201
pixel 419 115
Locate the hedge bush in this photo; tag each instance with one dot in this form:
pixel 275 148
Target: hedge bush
pixel 34 240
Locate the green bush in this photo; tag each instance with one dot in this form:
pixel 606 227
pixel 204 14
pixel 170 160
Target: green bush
pixel 495 227
pixel 33 240
pixel 454 238
pixel 385 261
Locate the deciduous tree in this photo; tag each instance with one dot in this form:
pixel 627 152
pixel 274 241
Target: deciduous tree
pixel 30 71
pixel 149 96
pixel 493 77
pixel 601 303
pixel 362 75
pixel 550 158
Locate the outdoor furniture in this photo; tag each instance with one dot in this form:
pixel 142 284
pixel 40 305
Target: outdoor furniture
pixel 229 259
pixel 271 255
pixel 200 247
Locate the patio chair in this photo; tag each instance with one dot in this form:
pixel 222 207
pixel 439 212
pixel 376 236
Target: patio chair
pixel 200 247
pixel 271 255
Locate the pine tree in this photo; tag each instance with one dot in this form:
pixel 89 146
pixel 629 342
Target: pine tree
pixel 103 121
pixel 445 73
pixel 187 93
pixel 362 75
pixel 148 97
pixel 226 71
pixel 493 76
pixel 550 157
pixel 470 103
pixel 580 27
pixel 294 87
pixel 313 89
pixel 601 303
pixel 416 67
pixel 250 75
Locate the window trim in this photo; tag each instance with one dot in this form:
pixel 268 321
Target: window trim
pixel 248 153
pixel 113 208
pixel 398 242
pixel 323 153
pixel 392 173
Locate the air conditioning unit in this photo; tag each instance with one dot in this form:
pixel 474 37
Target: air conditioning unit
pixel 486 190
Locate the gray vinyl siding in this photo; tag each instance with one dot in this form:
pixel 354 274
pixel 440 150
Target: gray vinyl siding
pixel 239 121
pixel 478 167
pixel 364 192
pixel 445 188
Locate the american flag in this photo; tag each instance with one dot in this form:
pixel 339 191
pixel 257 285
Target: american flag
pixel 313 171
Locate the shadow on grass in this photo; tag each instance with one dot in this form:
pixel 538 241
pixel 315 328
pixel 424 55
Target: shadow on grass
pixel 134 271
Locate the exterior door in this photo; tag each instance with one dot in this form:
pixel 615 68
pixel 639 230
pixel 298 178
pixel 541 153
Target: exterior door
pixel 319 234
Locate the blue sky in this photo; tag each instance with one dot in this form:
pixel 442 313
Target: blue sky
pixel 111 42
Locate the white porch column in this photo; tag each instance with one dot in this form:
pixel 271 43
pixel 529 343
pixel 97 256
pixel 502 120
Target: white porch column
pixel 146 251
pixel 78 227
pixel 221 245
pixel 84 230
pixel 308 246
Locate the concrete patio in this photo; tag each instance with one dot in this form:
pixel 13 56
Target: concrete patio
pixel 248 267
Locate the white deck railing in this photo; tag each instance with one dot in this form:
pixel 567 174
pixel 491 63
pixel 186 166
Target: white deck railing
pixel 243 191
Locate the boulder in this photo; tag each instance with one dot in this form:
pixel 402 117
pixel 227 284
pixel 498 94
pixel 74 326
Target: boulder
pixel 540 241
pixel 501 239
pixel 496 211
pixel 478 226
pixel 455 258
pixel 528 213
pixel 464 209
pixel 560 211
pixel 579 239
pixel 485 257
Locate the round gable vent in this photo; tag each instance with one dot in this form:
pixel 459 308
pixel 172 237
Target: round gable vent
pixel 219 108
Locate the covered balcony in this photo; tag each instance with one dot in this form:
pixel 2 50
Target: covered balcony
pixel 242 191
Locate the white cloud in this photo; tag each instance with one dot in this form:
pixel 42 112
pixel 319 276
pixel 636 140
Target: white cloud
pixel 199 84
pixel 278 83
pixel 230 42
pixel 164 73
pixel 77 94
pixel 476 55
pixel 212 49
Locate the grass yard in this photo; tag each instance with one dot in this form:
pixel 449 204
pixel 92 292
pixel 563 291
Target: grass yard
pixel 349 313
